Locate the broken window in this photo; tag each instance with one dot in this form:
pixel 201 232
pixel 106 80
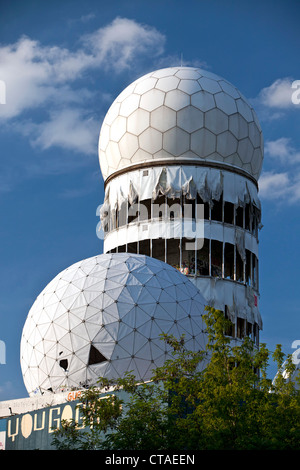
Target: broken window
pixel 230 327
pixel 228 213
pixel 132 247
pixel 144 247
pixel 159 208
pixel 173 208
pixel 158 248
pixel 133 212
pixel 239 276
pixel 216 258
pixel 239 216
pixel 255 272
pixel 188 255
pixel 206 207
pixel 240 328
pixel 122 215
pixel 247 216
pixel 173 252
pixel 189 208
pixel 145 209
pixel 229 261
pixel 248 268
pixel 203 259
pixel 217 210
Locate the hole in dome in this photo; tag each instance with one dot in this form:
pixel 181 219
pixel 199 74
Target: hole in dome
pixel 63 363
pixel 95 356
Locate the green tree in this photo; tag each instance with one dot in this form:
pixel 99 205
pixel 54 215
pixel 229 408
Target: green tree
pixel 219 398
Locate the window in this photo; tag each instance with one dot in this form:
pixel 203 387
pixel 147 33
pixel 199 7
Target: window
pixel 145 209
pixel 229 261
pixel 144 247
pixel 173 252
pixel 203 259
pixel 248 268
pixel 240 328
pixel 189 208
pixel 122 214
pixel 217 210
pixel 239 267
pixel 188 256
pixel 206 207
pixel 247 216
pixel 132 247
pixel 239 217
pixel 230 329
pixel 228 213
pixel 158 248
pixel 216 258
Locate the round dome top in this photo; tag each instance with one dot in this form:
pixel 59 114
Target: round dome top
pixel 179 114
pixel 103 316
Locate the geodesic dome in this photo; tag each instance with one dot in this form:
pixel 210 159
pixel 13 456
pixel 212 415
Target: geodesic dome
pixel 179 114
pixel 102 317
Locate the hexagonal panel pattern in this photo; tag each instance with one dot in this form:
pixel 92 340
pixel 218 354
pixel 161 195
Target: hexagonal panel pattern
pixel 104 316
pixel 185 104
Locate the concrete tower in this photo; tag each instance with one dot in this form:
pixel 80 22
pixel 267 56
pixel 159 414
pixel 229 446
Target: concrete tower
pixel 181 151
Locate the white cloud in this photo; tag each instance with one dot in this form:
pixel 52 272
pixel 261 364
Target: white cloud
pixel 280 187
pixel 44 78
pixel 67 128
pixel 282 150
pixel 273 185
pixel 117 45
pixel 278 94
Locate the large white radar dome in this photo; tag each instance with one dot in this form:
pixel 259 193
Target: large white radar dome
pixel 178 114
pixel 103 316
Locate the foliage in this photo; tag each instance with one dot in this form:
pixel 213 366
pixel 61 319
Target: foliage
pixel 219 398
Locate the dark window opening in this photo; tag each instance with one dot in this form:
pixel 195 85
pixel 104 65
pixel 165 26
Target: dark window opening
pixel 159 207
pixel 133 212
pixel 173 252
pixel 95 356
pixel 145 209
pixel 239 267
pixel 239 216
pixel 217 210
pixel 64 364
pixel 122 215
pixel 248 267
pixel 158 249
pixel 122 249
pixel 144 247
pixel 228 213
pixel 188 255
pixel 247 216
pixel 229 261
pixel 189 208
pixel 216 258
pixel 203 259
pixel 132 247
pixel 229 330
pixel 240 328
pixel 206 207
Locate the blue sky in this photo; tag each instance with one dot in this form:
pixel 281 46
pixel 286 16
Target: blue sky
pixel 63 64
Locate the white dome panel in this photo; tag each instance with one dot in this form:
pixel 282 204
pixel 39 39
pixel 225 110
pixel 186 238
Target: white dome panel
pixel 162 104
pixel 119 330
